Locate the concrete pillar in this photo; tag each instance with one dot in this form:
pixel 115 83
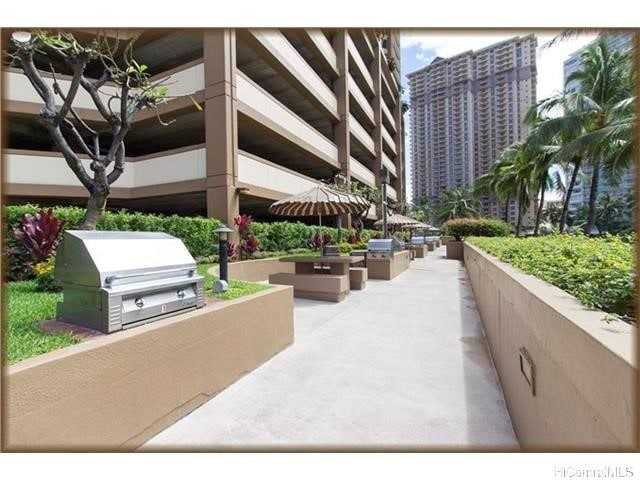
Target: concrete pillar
pixel 341 129
pixel 221 121
pixel 398 183
pixel 376 72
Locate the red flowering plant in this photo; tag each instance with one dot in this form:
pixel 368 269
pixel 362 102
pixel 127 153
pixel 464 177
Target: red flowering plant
pixel 232 250
pixel 317 240
pixel 243 222
pixel 39 234
pixel 249 245
pixel 248 242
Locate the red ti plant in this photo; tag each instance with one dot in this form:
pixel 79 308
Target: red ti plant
pixel 39 234
pixel 232 250
pixel 354 237
pixel 249 245
pixel 318 240
pixel 243 222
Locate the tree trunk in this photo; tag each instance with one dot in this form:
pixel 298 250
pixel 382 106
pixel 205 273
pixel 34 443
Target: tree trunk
pixel 506 208
pixel 543 188
pixel 95 209
pixel 593 196
pixel 565 206
pixel 519 220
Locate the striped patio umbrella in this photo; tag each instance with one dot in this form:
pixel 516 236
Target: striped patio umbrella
pixel 397 220
pixel 320 200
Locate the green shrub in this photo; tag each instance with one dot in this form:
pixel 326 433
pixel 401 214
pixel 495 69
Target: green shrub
pixel 597 271
pixel 196 232
pixel 345 247
pixel 476 227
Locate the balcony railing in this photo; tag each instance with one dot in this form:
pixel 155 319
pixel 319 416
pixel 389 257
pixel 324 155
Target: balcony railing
pixel 386 161
pixel 49 168
pixel 362 68
pixel 323 45
pixel 256 171
pixel 262 107
pixel 361 135
pixel 361 99
pixel 283 52
pixel 362 173
pixel 388 115
pixel 391 193
pixel 18 88
pixel 389 139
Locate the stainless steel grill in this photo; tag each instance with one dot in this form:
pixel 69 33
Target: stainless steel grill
pixel 117 280
pixel 417 240
pixel 380 248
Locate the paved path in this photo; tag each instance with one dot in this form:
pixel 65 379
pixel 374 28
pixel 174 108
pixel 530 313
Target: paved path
pixel 400 364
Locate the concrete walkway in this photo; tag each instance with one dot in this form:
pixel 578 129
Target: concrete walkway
pixel 403 363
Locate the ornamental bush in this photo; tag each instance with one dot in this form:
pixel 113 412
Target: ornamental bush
pixel 476 227
pixel 196 232
pixel 599 272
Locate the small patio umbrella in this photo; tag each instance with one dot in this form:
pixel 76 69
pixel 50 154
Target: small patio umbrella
pixel 320 200
pixel 397 220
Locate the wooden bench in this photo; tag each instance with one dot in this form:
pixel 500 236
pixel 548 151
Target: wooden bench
pixel 358 277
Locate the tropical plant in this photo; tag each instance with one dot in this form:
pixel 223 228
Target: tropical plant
pixel 597 121
pixel 457 203
pixel 317 240
pixel 243 223
pixel 39 234
pixel 232 250
pixel 249 245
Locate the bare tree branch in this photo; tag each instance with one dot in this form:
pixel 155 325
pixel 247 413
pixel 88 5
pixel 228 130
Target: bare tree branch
pixel 78 69
pixel 118 167
pixel 78 138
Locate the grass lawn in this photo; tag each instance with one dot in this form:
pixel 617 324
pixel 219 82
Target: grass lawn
pixel 237 288
pixel 27 308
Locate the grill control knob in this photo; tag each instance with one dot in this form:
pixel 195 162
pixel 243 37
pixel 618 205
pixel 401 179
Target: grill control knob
pixel 180 294
pixel 139 302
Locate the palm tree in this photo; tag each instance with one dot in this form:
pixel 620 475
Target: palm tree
pixel 497 182
pixel 457 203
pixel 597 122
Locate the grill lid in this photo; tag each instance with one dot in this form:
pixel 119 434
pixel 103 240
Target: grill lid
pixel 103 258
pixel 380 245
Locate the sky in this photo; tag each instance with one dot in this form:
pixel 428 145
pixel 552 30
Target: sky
pixel 419 48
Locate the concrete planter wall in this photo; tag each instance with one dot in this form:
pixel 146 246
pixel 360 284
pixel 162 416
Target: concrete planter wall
pixel 582 368
pixel 454 250
pixel 255 270
pixel 116 391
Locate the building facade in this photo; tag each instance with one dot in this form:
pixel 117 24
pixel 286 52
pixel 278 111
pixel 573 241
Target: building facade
pixel 581 190
pixel 465 110
pixel 281 110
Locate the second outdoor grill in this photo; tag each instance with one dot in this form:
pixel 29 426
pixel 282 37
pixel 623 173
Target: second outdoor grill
pixel 117 280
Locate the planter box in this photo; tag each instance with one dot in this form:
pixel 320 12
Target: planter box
pixel 255 270
pixel 387 269
pixel 583 394
pixel 114 392
pixel 454 250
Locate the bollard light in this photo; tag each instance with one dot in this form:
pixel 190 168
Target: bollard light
pixel 222 285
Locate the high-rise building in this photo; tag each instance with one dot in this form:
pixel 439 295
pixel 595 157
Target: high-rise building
pixel 465 110
pixel 581 189
pixel 281 110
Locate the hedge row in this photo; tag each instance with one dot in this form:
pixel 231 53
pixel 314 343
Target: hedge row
pixel 476 227
pixel 597 271
pixel 196 232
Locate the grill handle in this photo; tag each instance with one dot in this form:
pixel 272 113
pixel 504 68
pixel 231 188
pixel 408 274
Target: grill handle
pixel 111 278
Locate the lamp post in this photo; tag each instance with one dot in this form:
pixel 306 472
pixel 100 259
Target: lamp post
pixel 222 285
pixel 385 182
